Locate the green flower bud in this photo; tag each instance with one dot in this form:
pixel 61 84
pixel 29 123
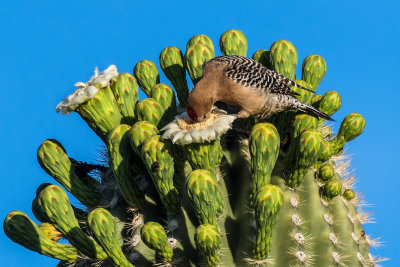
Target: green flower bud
pixel 171 62
pixel 139 133
pixel 264 143
pixel 326 172
pixel 349 194
pixel 22 230
pixel 122 156
pixel 208 242
pixel 283 58
pixel 269 201
pixel 233 42
pixel 303 153
pixel 101 112
pixel 154 236
pixel 102 226
pixel 53 159
pixel 165 96
pixel 196 55
pixel 327 151
pixel 205 195
pixel 203 40
pixel 331 189
pixel 303 122
pixel 352 126
pixel 313 70
pixel 150 110
pixel 160 165
pixel 330 103
pixel 125 90
pixel 147 75
pixel 55 203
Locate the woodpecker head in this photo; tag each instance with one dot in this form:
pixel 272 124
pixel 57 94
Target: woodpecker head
pixel 199 105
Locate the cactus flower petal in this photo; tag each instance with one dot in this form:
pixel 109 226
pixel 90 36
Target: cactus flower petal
pixel 182 132
pixel 87 90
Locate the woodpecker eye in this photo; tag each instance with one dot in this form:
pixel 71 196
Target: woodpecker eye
pixel 191 113
pixel 204 116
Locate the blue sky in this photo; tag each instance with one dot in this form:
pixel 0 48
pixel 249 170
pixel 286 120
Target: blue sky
pixel 47 46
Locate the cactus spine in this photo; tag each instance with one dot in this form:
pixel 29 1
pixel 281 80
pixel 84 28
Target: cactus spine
pixel 265 192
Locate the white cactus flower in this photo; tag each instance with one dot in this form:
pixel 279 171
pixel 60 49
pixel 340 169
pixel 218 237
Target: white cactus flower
pixel 183 131
pixel 87 90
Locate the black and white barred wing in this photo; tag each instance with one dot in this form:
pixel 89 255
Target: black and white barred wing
pixel 252 74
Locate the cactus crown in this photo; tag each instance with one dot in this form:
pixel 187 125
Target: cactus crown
pixel 224 192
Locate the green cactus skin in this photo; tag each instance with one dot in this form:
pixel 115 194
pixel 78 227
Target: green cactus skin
pixel 171 62
pixel 262 56
pixel 101 112
pixel 196 55
pixel 122 156
pixel 331 189
pixel 313 228
pixel 160 165
pixel 150 110
pixel 55 203
pixel 349 194
pixel 50 231
pixel 165 96
pixel 22 230
pixel 308 147
pixel 330 102
pixel 208 242
pixel 233 42
pixel 102 226
pixel 326 172
pixel 203 40
pixel 205 195
pixel 125 90
pixel 268 202
pixel 53 159
pixel 264 143
pixel 147 75
pixel 352 126
pixel 154 236
pixel 283 58
pixel 204 155
pixel 313 70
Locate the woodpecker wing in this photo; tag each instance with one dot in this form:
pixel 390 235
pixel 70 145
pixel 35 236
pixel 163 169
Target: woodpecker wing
pixel 250 73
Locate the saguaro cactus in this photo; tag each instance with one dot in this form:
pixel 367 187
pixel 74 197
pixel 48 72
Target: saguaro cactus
pixel 222 192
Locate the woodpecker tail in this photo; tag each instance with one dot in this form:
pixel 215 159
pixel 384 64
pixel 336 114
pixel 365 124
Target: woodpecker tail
pixel 310 110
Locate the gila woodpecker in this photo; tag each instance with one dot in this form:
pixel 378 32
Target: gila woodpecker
pixel 247 85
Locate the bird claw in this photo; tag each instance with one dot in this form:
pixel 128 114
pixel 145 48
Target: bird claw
pixel 218 111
